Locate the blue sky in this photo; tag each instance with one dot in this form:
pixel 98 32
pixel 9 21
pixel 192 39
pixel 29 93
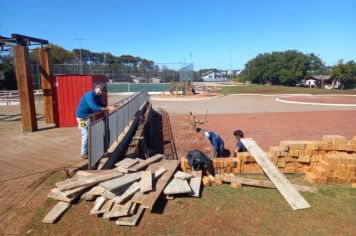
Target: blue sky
pixel 166 31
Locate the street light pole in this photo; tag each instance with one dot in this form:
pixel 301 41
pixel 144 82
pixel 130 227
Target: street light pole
pixel 80 55
pixel 230 64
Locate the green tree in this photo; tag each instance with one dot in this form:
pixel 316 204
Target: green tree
pixel 285 68
pixel 345 73
pixel 7 66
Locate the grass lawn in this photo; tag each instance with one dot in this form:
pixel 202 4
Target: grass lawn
pixel 221 210
pixel 274 89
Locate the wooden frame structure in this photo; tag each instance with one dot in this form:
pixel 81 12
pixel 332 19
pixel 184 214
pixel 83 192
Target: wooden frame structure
pixel 20 46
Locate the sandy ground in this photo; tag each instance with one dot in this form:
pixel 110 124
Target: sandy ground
pixel 28 159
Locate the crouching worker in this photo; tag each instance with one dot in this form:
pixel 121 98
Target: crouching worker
pixel 89 104
pixel 197 160
pixel 240 147
pixel 217 143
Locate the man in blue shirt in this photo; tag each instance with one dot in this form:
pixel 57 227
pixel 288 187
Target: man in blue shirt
pixel 240 147
pixel 89 104
pixel 217 143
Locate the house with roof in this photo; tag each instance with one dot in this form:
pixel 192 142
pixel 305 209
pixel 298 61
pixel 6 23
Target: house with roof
pixel 325 81
pixel 214 76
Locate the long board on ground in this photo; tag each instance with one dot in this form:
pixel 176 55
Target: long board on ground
pixel 149 199
pixel 292 196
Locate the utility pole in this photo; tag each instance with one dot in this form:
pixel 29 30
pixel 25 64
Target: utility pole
pixel 230 64
pixel 80 55
pixel 191 57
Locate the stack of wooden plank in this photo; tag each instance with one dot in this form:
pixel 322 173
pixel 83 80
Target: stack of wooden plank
pixel 184 183
pixel 122 193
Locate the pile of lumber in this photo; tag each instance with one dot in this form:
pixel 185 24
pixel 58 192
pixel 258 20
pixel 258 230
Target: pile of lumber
pixel 184 184
pixel 335 167
pixel 122 193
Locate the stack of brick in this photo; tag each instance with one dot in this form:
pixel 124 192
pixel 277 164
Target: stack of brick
pixel 336 167
pixel 221 165
pixel 309 157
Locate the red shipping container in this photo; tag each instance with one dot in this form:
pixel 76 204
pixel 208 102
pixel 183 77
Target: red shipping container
pixel 69 90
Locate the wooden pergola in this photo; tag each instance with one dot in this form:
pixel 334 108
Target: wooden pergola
pixel 20 45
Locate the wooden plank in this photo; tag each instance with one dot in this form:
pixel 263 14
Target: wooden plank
pixel 89 181
pixel 177 186
pixel 131 220
pixel 47 84
pixel 133 208
pixel 25 88
pixel 99 202
pixel 146 162
pixel 119 210
pixel 96 191
pixel 126 163
pixel 265 184
pixel 292 196
pixel 106 207
pixel 195 184
pixel 129 193
pixel 121 181
pixel 57 211
pixel 150 198
pixel 65 196
pixel 138 197
pixel 182 175
pixel 146 181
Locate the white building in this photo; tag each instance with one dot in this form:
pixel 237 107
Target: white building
pixel 214 76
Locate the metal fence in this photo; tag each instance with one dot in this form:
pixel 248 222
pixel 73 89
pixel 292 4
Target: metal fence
pixel 106 130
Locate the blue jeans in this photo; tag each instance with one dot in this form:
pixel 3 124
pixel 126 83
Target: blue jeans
pixel 84 131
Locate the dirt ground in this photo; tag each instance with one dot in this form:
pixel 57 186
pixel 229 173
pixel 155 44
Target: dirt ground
pixel 238 104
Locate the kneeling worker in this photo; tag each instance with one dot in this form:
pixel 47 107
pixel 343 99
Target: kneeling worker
pixel 217 143
pixel 89 104
pixel 240 147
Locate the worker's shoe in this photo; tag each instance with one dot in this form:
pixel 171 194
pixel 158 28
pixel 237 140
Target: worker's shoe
pixel 85 156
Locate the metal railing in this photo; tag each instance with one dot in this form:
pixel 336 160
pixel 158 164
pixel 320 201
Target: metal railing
pixel 106 130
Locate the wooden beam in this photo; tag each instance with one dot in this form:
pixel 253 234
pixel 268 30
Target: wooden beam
pixel 292 196
pixel 131 220
pixel 177 186
pixel 121 181
pixel 128 193
pixel 57 211
pixel 146 162
pixel 149 199
pixel 146 181
pixel 195 183
pixel 24 86
pixel 182 175
pixel 87 182
pixel 47 84
pixel 265 183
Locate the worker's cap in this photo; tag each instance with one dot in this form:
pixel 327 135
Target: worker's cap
pixel 206 134
pixel 101 86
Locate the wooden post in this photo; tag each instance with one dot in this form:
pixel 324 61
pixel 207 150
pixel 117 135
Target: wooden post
pixel 47 84
pixel 24 85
